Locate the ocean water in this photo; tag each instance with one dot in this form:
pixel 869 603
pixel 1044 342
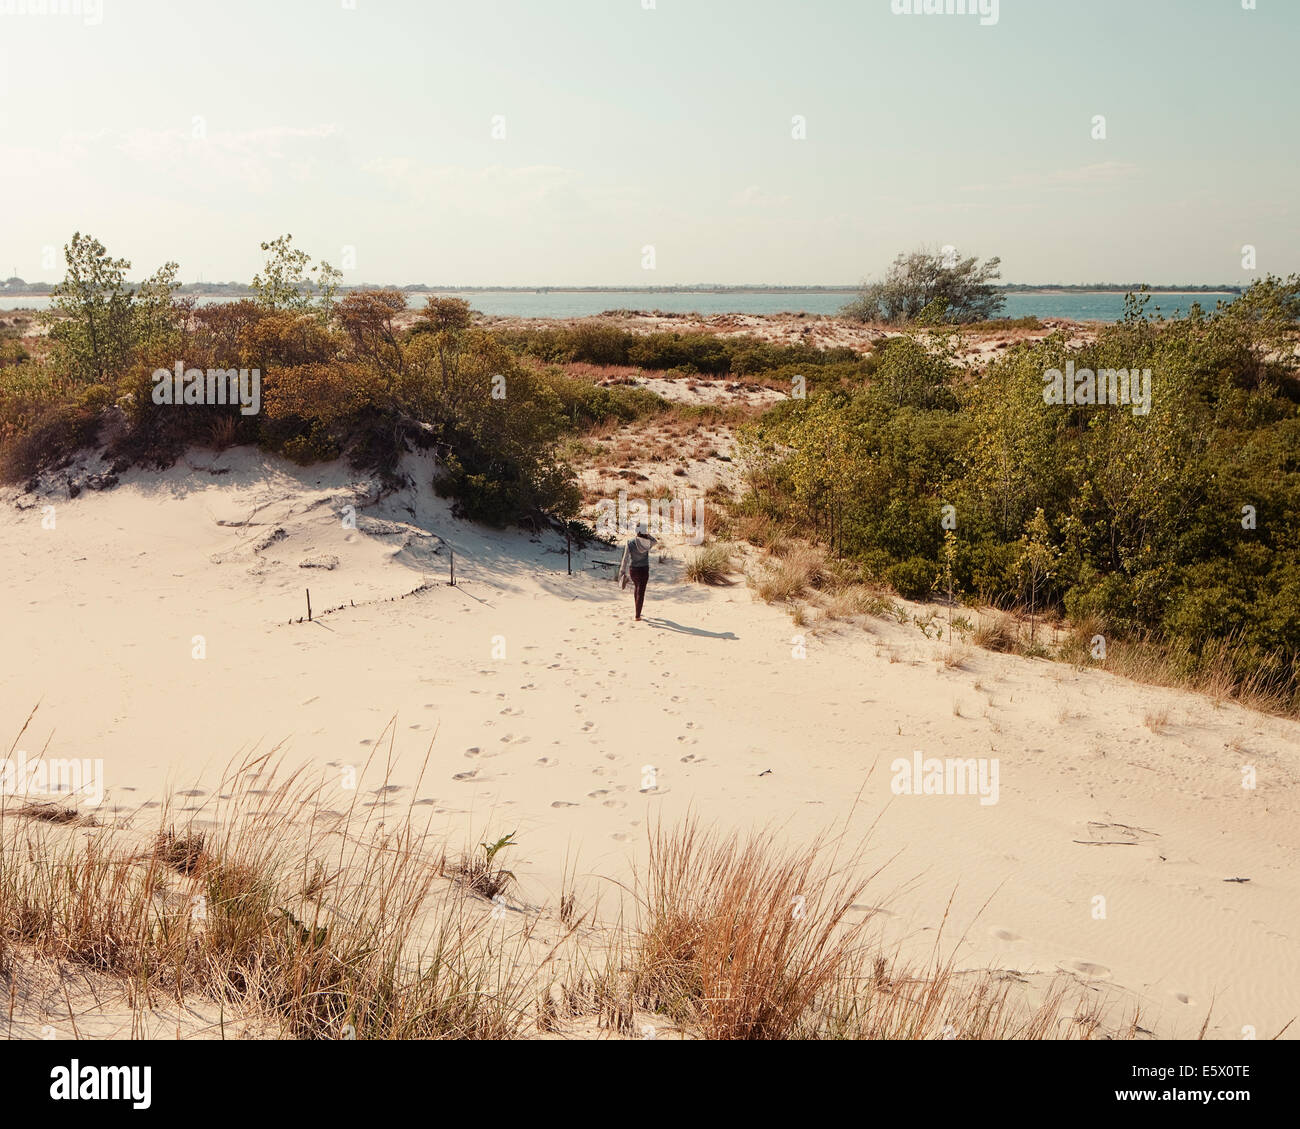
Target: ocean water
pixel 1077 306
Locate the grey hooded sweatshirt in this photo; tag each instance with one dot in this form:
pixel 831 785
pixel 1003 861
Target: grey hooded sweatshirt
pixel 636 553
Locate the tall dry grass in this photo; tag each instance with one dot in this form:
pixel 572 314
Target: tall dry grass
pixel 318 923
pixel 744 939
pixel 1221 669
pixel 351 931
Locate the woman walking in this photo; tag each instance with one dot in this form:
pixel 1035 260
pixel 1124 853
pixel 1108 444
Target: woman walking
pixel 635 565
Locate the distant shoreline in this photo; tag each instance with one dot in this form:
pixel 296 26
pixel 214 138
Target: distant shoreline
pixel 204 289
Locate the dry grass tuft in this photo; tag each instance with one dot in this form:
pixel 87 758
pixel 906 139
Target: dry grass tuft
pixel 47 812
pixel 710 565
pixel 1156 720
pixel 183 853
pixel 742 938
pixel 801 571
pixel 996 632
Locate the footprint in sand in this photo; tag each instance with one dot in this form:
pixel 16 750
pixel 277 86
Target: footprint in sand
pixel 423 803
pixel 547 762
pixel 588 725
pixel 562 804
pixel 473 772
pixel 473 752
pixel 430 706
pixel 192 792
pixel 1183 998
pixel 598 792
pixel 1004 935
pixel 688 757
pixel 614 804
pixel 620 836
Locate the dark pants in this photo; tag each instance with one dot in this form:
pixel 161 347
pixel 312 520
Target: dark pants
pixel 640 578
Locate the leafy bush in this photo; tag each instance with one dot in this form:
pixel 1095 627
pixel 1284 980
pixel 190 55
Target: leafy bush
pixel 1177 522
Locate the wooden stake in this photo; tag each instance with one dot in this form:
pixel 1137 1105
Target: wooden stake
pixel 309 605
pixel 452 582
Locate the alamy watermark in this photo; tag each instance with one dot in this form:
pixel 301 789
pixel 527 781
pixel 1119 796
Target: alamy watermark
pixel 677 517
pixel 76 1082
pixel 952 776
pixel 215 386
pixel 73 777
pixel 987 10
pixel 1105 386
pixel 90 11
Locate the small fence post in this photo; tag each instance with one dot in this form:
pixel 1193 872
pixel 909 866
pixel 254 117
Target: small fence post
pixel 309 605
pixel 452 581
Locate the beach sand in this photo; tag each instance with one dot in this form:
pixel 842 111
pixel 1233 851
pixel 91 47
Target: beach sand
pixel 544 709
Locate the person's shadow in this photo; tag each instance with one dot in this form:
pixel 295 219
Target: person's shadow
pixel 669 625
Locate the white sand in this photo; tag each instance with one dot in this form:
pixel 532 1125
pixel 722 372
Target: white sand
pixel 553 739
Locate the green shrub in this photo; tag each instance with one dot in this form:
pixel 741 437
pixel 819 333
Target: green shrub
pixel 913 579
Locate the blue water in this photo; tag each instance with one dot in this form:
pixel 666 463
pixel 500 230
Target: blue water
pixel 1079 306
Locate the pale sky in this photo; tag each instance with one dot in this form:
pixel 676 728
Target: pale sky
pixel 193 130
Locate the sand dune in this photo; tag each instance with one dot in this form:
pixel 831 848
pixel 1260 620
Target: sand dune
pixel 548 711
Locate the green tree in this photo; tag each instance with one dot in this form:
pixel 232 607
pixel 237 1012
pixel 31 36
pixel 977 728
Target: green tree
pixel 159 318
pixel 285 282
pixel 1036 563
pixel 935 286
pixel 91 320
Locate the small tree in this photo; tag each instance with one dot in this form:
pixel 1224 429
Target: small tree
pixel 285 282
pixel 932 287
pixel 367 317
pixel 1036 563
pixel 159 316
pixel 91 317
pixel 949 561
